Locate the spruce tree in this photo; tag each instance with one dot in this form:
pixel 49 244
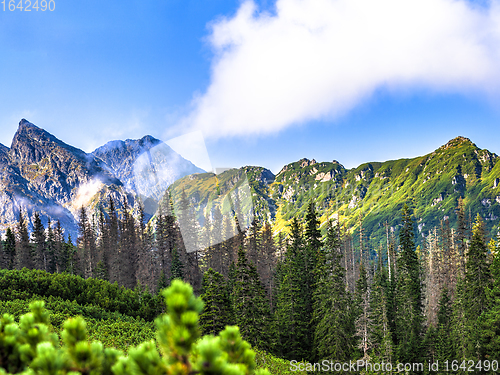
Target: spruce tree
pixel 362 311
pixel 104 247
pixel 217 312
pixel 177 268
pixel 268 262
pixel 490 321
pixel 293 301
pixel 254 243
pixel 50 252
pixel 332 317
pixel 383 347
pixel 39 245
pixel 444 345
pixel 409 303
pixel 164 240
pixel 9 248
pixel 477 282
pixel 460 331
pixel 252 313
pixel 190 246
pixel 112 245
pixel 72 254
pixel 61 256
pixel 24 257
pixel 215 254
pixel 162 282
pixel 128 248
pixel 86 244
pixel 461 238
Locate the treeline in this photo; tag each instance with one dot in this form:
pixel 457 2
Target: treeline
pixel 332 300
pixel 117 247
pixel 308 295
pixel 110 246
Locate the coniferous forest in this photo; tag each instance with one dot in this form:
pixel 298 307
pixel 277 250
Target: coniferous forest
pixel 314 294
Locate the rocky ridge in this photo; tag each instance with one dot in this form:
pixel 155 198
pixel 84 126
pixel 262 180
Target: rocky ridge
pixel 41 173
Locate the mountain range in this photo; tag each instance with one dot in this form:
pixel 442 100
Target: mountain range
pixel 373 194
pixel 42 173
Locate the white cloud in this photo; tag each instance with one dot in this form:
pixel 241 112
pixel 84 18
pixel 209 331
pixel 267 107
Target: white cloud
pixel 320 58
pixel 191 146
pixel 86 191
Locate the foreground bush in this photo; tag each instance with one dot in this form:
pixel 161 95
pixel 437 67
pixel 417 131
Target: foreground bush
pixel 30 347
pixel 25 284
pixel 112 329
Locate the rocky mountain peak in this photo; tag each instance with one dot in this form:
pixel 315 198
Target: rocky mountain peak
pixel 457 142
pixel 4 156
pixel 306 162
pixel 32 144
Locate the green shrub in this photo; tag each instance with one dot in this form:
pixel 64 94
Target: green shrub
pixel 31 347
pixel 25 284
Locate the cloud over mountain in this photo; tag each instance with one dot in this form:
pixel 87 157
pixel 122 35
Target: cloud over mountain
pixel 319 59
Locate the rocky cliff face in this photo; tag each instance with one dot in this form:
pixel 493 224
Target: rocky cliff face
pixel 52 168
pixel 41 173
pixel 120 156
pixel 146 166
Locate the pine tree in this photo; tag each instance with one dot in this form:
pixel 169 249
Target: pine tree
pixel 217 312
pixel 111 250
pixel 38 239
pixel 103 247
pixel 292 309
pixel 86 244
pixel 363 319
pixel 332 316
pixel 177 268
pixel 250 304
pixel 461 239
pixel 409 304
pixel 165 239
pixel 444 345
pixel 146 268
pixel 477 282
pixel 72 254
pixel 162 282
pixel 490 321
pixel 24 257
pixel 61 256
pixel 128 248
pixel 215 256
pixel 254 243
pixel 50 252
pixel 382 343
pixel 268 262
pixel 9 249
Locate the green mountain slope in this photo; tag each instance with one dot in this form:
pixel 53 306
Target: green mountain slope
pixel 373 192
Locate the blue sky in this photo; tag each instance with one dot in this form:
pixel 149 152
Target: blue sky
pixel 266 82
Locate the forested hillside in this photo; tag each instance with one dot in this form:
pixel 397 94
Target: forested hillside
pixel 395 262
pixel 303 296
pixel 373 193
